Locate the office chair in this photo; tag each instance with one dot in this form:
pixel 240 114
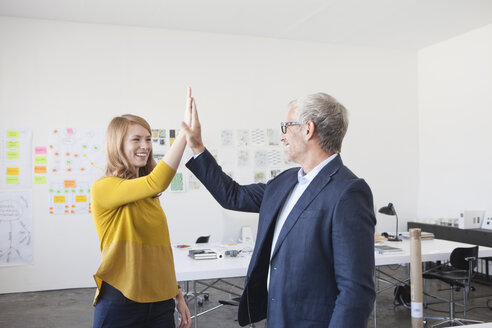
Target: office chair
pixel 458 274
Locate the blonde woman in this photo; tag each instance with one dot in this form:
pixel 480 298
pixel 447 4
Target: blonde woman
pixel 136 281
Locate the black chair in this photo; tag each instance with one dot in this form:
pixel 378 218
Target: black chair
pixel 458 274
pixel 234 302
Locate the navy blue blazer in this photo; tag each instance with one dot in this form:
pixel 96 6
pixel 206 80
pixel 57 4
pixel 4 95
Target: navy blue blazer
pixel 323 263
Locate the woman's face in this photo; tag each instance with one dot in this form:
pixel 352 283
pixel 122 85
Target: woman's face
pixel 137 145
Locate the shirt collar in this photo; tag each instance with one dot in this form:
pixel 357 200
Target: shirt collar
pixel 304 178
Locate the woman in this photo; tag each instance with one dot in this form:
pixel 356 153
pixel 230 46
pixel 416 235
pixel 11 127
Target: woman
pixel 136 281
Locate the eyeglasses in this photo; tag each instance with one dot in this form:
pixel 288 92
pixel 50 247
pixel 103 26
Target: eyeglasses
pixel 284 125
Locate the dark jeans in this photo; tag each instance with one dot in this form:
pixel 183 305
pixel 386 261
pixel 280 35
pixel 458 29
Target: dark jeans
pixel 113 310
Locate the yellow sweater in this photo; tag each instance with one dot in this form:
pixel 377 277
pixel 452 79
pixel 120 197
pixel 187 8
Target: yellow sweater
pixel 137 257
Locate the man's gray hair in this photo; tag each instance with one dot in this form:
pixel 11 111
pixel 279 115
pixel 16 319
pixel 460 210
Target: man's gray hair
pixel 329 117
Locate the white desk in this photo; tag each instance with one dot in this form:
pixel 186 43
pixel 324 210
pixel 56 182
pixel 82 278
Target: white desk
pixel 432 250
pixel 188 269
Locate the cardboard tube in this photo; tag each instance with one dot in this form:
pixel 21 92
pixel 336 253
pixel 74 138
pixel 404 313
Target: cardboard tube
pixel 416 279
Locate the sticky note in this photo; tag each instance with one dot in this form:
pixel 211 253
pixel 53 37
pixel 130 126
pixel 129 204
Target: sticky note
pixel 13 144
pixel 40 169
pixel 12 171
pixel 69 183
pixel 12 155
pixel 12 180
pixel 40 160
pixel 13 134
pixel 81 199
pixel 40 150
pixel 69 131
pixel 59 199
pixel 39 179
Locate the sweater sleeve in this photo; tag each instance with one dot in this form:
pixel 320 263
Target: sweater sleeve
pixel 112 192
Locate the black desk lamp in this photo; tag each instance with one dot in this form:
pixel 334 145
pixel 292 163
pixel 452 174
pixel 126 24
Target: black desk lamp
pixel 390 210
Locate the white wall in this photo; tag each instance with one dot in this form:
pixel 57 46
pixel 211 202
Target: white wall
pixel 68 74
pixel 455 120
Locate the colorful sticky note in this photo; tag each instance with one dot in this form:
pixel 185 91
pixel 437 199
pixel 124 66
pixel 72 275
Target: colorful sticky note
pixel 59 199
pixel 13 144
pixel 12 155
pixel 69 183
pixel 12 180
pixel 81 199
pixel 40 150
pixel 40 169
pixel 40 160
pixel 13 134
pixel 69 131
pixel 12 171
pixel 39 179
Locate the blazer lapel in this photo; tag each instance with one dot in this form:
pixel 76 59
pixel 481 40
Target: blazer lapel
pixel 314 188
pixel 279 196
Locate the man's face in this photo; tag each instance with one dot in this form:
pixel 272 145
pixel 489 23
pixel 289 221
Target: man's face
pixel 292 139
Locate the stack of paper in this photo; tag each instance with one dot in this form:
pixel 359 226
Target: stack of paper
pixel 382 249
pixel 202 254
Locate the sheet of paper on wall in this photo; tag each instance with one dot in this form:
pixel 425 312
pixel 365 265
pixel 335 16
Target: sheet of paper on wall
pixel 16 247
pixel 227 138
pixel 15 158
pixel 40 164
pixel 274 157
pixel 243 138
pixel 243 158
pixel 260 177
pixel 258 137
pixel 160 142
pixel 273 137
pixel 73 151
pixel 260 159
pixel 193 182
pixel 69 197
pixel 177 183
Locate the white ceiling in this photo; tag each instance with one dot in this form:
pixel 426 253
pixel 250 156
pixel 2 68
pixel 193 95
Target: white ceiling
pixel 404 24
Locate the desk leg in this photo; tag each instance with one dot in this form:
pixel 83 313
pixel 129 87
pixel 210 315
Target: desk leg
pixel 196 303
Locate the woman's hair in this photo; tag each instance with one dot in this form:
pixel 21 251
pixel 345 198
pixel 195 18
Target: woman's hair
pixel 117 163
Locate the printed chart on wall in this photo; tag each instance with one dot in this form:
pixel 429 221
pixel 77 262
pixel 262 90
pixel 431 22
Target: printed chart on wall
pixel 15 228
pixel 75 160
pixel 15 158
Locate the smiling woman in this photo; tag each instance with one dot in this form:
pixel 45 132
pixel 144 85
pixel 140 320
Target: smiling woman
pixel 133 230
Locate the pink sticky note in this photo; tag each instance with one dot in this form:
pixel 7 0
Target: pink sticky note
pixel 40 150
pixel 69 131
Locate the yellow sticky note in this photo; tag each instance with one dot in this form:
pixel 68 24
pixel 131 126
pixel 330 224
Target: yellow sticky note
pixel 12 144
pixel 12 180
pixel 40 169
pixel 39 179
pixel 69 183
pixel 12 171
pixel 12 155
pixel 13 134
pixel 40 160
pixel 59 199
pixel 81 199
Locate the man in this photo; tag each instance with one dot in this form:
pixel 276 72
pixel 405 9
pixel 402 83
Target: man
pixel 313 261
